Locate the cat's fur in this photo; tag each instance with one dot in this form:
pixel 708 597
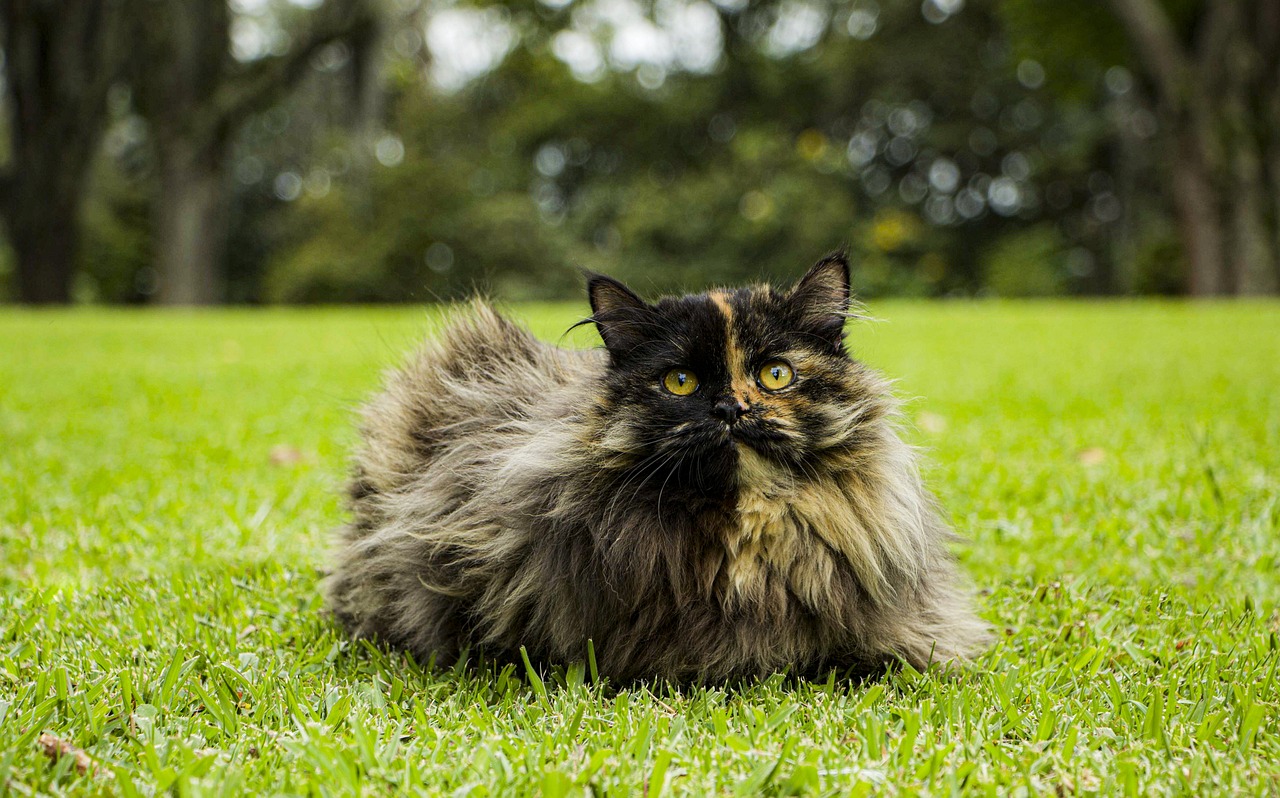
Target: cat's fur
pixel 511 493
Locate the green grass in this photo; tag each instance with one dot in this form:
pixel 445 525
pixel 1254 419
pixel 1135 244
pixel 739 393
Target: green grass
pixel 1116 468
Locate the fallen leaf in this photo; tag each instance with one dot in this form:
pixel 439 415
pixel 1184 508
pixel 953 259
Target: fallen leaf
pixel 55 748
pixel 1092 456
pixel 284 454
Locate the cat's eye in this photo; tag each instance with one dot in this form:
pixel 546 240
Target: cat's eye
pixel 680 382
pixel 776 375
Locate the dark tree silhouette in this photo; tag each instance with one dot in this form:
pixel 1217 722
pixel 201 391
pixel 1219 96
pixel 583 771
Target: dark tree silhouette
pixel 60 60
pixel 1218 88
pixel 194 96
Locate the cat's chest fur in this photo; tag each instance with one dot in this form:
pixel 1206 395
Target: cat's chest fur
pixel 778 542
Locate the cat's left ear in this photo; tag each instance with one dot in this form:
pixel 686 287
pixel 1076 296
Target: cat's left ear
pixel 621 317
pixel 821 298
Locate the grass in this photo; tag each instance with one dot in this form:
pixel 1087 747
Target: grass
pixel 168 483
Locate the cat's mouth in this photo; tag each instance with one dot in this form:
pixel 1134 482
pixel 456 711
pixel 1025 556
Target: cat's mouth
pixel 758 437
pixel 715 439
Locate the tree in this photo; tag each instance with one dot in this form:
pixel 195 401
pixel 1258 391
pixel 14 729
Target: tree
pixel 883 131
pixel 1219 98
pixel 194 96
pixel 60 61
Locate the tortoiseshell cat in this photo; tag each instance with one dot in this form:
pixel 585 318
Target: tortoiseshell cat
pixel 718 493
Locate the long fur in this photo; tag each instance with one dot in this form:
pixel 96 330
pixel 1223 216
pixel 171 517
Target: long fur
pixel 509 493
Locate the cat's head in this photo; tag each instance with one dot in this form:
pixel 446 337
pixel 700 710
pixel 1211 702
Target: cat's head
pixel 734 378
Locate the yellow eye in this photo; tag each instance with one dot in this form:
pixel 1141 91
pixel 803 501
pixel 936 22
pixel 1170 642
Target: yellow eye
pixel 776 375
pixel 680 382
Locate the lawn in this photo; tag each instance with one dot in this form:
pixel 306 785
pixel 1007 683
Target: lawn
pixel 168 483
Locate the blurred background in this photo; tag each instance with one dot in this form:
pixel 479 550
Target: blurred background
pixel 308 151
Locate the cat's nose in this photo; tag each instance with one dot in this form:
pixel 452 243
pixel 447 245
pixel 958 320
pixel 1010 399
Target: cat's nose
pixel 729 409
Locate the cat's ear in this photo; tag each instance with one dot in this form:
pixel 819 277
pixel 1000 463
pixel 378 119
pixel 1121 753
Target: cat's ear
pixel 621 317
pixel 821 298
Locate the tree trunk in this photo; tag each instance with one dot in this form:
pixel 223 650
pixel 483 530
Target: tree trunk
pixel 1273 163
pixel 44 236
pixel 191 225
pixel 1198 218
pixel 1253 258
pixel 195 95
pixel 1195 88
pixel 1266 27
pixel 59 60
pixel 1242 107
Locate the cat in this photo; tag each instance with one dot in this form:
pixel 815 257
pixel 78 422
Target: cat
pixel 718 493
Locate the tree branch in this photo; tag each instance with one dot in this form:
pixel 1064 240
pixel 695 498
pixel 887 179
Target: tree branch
pixel 1152 34
pixel 1266 30
pixel 264 80
pixel 1216 33
pixel 6 193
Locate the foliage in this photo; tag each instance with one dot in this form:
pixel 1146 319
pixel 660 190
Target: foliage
pixel 1027 263
pixel 170 484
pixel 1158 267
pixel 1075 42
pixel 115 259
pixel 975 126
pixel 443 219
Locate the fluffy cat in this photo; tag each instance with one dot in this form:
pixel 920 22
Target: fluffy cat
pixel 718 493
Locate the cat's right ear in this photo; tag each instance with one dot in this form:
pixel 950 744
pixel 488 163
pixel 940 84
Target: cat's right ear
pixel 822 298
pixel 619 315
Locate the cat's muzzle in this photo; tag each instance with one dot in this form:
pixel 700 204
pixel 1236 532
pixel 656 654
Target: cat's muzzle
pixel 729 409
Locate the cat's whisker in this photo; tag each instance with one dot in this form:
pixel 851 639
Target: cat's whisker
pixel 641 445
pixel 640 482
pixel 639 475
pixel 676 466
